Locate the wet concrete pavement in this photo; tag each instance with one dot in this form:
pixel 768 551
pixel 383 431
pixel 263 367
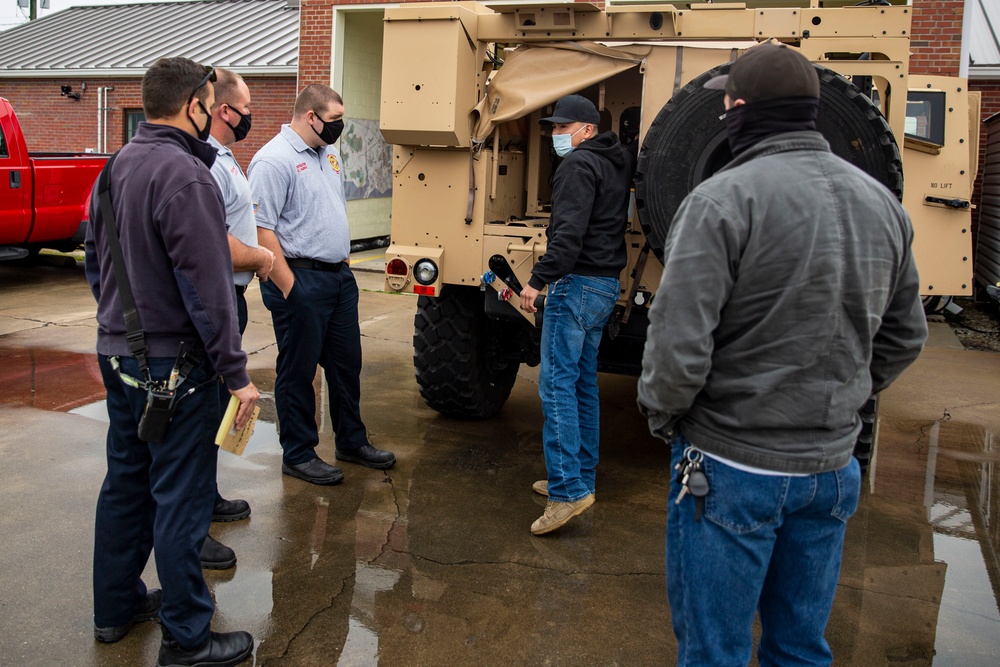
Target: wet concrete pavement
pixel 431 563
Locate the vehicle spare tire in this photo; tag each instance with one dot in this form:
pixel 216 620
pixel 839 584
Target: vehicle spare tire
pixel 687 143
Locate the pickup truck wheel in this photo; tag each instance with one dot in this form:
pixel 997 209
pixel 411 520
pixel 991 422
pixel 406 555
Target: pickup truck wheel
pixel 462 367
pixel 687 143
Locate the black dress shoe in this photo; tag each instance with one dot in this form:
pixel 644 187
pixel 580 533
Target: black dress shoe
pixel 316 471
pixel 150 608
pixel 216 556
pixel 223 649
pixel 367 455
pixel 230 510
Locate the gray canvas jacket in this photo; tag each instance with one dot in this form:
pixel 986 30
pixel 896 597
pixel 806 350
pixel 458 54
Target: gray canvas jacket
pixel 789 294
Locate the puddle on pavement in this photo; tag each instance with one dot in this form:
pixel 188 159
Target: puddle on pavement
pixel 920 582
pixel 929 537
pixel 48 379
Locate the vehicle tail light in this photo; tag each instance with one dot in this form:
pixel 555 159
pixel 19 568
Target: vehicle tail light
pixel 397 267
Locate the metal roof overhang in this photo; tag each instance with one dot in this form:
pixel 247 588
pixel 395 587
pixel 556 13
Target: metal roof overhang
pixel 979 73
pixel 132 71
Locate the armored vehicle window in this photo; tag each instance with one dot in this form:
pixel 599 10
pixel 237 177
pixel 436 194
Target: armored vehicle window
pixel 925 116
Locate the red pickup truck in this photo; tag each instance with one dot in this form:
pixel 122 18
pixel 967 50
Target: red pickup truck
pixel 43 196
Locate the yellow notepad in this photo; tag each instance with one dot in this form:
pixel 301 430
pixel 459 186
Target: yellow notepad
pixel 228 438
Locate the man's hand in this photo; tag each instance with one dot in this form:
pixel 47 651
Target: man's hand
pixel 266 263
pixel 528 296
pixel 281 275
pixel 248 396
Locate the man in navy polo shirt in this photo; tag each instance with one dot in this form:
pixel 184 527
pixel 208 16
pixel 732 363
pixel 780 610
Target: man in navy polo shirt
pixel 297 185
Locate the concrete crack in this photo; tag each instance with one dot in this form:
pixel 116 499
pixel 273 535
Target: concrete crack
pixel 305 626
pixel 529 566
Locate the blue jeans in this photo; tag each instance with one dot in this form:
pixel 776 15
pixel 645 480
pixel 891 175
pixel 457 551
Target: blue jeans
pixel 576 309
pixel 156 494
pixel 766 544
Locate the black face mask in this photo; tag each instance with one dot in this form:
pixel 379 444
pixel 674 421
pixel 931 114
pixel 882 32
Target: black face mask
pixel 331 131
pixel 242 128
pixel 203 133
pixel 749 124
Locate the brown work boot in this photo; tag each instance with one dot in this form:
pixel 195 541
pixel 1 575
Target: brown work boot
pixel 557 514
pixel 541 487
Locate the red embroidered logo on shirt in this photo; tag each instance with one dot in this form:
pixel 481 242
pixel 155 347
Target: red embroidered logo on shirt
pixel 302 166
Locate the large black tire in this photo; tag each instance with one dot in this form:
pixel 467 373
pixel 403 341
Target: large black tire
pixel 465 368
pixel 687 143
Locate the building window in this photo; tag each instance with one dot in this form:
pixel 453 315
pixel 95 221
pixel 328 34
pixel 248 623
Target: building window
pixel 132 119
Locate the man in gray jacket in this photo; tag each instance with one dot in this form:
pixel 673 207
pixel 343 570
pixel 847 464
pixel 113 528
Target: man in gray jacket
pixel 789 295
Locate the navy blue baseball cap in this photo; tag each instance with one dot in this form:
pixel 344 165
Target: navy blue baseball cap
pixel 574 109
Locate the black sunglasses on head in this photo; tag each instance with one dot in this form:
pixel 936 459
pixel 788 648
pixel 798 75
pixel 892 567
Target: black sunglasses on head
pixel 209 76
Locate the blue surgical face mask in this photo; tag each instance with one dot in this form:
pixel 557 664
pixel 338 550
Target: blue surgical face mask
pixel 563 143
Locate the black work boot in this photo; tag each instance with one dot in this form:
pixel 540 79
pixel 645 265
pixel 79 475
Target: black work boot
pixel 150 608
pixel 230 510
pixel 223 649
pixel 216 556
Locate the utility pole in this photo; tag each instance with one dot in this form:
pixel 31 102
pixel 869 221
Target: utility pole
pixel 33 10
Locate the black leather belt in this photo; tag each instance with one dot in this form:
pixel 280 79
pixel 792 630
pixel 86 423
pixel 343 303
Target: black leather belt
pixel 314 264
pixel 241 289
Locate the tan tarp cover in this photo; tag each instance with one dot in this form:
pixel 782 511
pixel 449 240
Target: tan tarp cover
pixel 534 75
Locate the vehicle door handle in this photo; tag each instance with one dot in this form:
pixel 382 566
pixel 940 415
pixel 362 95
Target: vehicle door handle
pixel 15 180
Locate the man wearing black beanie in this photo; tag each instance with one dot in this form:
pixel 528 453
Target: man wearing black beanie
pixel 789 295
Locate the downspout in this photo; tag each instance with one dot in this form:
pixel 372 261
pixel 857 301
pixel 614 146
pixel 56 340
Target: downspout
pixel 100 92
pixel 105 123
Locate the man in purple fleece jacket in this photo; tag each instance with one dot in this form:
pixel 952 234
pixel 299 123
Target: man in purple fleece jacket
pixel 171 221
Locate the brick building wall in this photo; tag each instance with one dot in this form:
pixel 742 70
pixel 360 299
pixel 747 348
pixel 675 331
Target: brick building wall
pixel 936 40
pixel 54 123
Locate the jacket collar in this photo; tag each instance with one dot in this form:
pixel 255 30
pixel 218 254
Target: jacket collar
pixel 781 143
pixel 157 133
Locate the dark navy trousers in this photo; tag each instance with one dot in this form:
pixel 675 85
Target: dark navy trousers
pixel 317 325
pixel 156 496
pixel 242 318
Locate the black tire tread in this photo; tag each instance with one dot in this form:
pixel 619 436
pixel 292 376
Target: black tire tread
pixel 450 356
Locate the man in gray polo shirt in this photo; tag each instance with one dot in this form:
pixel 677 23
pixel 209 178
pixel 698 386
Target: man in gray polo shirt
pixel 297 185
pixel 231 123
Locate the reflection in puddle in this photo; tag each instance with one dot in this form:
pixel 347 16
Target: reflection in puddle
pixel 958 492
pixel 48 379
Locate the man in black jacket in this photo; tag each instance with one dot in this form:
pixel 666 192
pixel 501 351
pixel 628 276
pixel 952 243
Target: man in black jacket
pixel 171 221
pixel 584 257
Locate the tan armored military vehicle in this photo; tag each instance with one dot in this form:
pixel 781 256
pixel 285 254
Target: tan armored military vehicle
pixel 464 85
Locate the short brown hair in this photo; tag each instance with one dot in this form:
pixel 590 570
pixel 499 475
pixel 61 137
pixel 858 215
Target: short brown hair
pixel 167 86
pixel 315 97
pixel 226 83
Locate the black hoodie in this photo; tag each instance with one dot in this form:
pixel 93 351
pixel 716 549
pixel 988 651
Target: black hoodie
pixel 586 235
